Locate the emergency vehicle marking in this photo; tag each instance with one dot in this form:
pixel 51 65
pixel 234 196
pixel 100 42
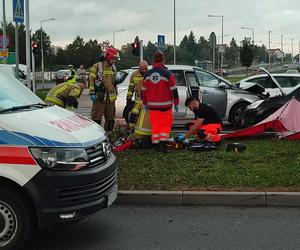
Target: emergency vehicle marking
pixel 16 155
pixel 155 78
pixel 72 123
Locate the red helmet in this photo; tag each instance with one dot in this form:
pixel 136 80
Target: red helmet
pixel 111 53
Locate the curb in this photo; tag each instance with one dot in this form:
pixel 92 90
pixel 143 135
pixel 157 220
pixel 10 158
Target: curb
pixel 209 198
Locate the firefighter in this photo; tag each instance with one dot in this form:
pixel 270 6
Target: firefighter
pixel 208 124
pixel 135 83
pixel 103 90
pixel 139 123
pixel 159 91
pixel 65 95
pixel 72 77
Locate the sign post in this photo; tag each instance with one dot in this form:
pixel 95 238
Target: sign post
pixel 18 17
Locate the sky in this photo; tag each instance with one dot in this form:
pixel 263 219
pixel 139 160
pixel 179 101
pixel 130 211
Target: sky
pixel 98 19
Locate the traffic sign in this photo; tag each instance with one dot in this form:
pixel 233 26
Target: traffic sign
pixel 18 11
pixel 3 54
pixel 161 41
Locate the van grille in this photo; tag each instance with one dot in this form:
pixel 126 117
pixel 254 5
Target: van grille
pixel 86 193
pixel 96 155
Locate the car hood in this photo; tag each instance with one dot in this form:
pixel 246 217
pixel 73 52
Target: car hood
pixel 51 126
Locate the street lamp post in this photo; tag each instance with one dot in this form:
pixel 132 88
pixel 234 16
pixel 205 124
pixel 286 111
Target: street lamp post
pixel 174 49
pixel 281 38
pixel 114 32
pixel 292 55
pixel 42 47
pixel 222 18
pixel 270 48
pixel 218 38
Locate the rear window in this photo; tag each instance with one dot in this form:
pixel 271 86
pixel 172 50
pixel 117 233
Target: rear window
pixel 121 76
pixel 179 77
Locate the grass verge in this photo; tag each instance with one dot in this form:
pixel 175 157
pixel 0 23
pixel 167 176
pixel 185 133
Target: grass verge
pixel 41 93
pixel 268 164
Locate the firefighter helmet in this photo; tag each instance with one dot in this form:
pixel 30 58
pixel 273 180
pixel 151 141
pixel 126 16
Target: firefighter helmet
pixel 111 53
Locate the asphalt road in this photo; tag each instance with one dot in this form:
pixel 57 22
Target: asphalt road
pixel 129 227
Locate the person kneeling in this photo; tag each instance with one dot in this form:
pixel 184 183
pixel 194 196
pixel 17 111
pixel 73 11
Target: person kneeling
pixel 207 125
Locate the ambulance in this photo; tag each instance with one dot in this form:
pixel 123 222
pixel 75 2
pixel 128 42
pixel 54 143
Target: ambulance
pixel 56 166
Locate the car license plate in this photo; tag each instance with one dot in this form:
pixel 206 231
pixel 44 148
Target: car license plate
pixel 112 196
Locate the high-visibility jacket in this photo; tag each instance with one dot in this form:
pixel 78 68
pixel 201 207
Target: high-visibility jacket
pixel 135 86
pixel 102 81
pixel 142 125
pixel 159 89
pixel 72 77
pixel 64 95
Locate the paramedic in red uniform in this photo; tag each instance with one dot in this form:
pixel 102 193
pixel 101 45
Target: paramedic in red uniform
pixel 208 124
pixel 159 92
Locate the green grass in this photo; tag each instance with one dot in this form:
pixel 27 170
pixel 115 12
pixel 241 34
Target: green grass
pixel 41 93
pixel 268 164
pixel 234 79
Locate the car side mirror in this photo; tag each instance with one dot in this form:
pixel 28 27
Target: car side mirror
pixel 223 85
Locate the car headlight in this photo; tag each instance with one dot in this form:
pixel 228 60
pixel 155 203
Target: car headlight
pixel 62 159
pixel 255 104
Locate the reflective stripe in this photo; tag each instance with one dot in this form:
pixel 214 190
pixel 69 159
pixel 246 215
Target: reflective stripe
pixel 173 88
pixel 143 88
pixel 108 72
pixel 159 103
pixel 54 100
pixel 164 134
pixel 155 136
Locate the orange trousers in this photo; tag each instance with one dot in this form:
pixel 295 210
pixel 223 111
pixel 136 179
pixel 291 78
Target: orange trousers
pixel 161 124
pixel 211 132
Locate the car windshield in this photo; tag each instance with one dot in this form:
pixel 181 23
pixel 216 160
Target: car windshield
pixel 13 93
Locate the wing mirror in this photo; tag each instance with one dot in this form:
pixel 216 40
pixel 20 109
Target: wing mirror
pixel 223 85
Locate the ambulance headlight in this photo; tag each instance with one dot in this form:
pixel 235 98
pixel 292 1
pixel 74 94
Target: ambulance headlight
pixel 63 159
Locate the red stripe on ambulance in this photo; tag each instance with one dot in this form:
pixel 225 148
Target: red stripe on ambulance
pixel 16 155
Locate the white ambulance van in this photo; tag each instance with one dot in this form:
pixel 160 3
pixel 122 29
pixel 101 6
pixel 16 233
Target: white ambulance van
pixel 55 166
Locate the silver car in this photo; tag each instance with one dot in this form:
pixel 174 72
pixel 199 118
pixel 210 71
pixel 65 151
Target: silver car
pixel 287 81
pixel 228 100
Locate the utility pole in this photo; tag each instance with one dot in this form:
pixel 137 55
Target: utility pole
pixel 141 50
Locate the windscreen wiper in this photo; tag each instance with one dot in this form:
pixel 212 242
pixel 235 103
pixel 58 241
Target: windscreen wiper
pixel 15 108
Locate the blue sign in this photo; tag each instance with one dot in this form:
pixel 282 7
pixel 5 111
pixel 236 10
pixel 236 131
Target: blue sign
pixel 161 41
pixel 18 11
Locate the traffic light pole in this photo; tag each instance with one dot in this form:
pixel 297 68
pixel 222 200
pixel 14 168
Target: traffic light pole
pixel 141 51
pixel 33 72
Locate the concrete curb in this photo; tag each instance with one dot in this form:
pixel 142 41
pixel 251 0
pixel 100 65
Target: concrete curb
pixel 210 198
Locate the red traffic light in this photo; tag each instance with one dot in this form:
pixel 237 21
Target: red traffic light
pixel 34 45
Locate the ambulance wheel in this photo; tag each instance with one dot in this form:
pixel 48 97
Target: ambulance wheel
pixel 16 220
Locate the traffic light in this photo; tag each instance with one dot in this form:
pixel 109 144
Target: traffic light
pixel 136 48
pixel 34 48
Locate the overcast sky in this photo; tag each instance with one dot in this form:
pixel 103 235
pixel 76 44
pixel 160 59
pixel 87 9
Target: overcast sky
pixel 97 19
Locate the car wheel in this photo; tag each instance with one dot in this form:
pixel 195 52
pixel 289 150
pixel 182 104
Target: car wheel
pixel 127 110
pixel 17 221
pixel 236 116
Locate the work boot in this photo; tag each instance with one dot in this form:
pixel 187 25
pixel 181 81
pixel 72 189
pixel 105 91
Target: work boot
pixel 163 147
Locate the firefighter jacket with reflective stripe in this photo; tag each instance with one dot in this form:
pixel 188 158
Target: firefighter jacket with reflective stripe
pixel 135 86
pixel 64 95
pixel 159 89
pixel 102 81
pixel 142 125
pixel 72 77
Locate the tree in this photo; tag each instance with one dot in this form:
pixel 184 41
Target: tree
pixel 184 43
pixel 231 54
pixel 48 50
pixel 149 51
pixel 246 54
